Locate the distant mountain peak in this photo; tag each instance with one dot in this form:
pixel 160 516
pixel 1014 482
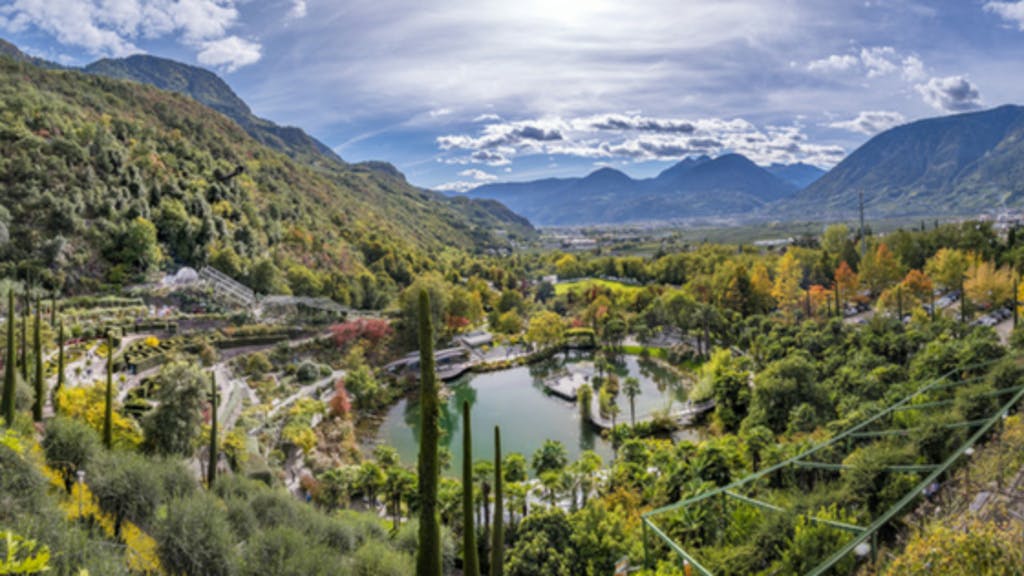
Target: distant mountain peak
pixel 607 173
pixel 694 187
pixel 799 174
pixel 211 90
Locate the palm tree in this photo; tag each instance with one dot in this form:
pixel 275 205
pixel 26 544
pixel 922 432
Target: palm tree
pixel 399 482
pixel 632 390
pixel 517 493
pixel 553 483
pixel 371 479
pixel 613 411
pixel 482 473
pixel 586 467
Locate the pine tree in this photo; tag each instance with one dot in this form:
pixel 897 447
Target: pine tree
pixel 470 563
pixel 7 406
pixel 211 470
pixel 37 347
pixel 428 556
pixel 60 368
pixel 498 536
pixel 108 411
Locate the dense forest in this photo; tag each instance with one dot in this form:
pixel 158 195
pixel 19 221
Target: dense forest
pixel 106 180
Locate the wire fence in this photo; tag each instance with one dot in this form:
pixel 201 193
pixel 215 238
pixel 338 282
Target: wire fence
pixel 841 444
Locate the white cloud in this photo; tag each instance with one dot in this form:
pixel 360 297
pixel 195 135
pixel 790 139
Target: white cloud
pixel 871 122
pixel 478 175
pixel 879 61
pixel 535 57
pixel 1012 12
pixel 636 138
pixel 913 69
pixel 76 23
pixel 487 118
pixel 874 62
pixel 298 10
pixel 439 112
pixel 950 94
pixel 113 27
pixel 833 63
pixel 229 53
pixel 460 186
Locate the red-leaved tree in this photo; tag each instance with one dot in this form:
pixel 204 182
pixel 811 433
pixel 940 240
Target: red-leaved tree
pixel 371 333
pixel 341 404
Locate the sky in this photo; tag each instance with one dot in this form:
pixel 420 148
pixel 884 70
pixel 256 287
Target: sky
pixel 465 92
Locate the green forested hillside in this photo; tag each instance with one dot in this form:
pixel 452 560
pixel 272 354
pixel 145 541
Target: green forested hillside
pixel 207 88
pixel 960 164
pixel 102 180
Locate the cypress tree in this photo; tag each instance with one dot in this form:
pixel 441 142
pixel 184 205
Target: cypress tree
pixel 108 411
pixel 9 364
pixel 428 556
pixel 24 338
pixel 211 470
pixel 37 347
pixel 498 536
pixel 60 368
pixel 470 563
pixel 53 310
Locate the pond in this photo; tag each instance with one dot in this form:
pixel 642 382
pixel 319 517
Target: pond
pixel 516 400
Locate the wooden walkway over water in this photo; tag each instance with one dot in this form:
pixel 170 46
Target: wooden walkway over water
pixel 684 416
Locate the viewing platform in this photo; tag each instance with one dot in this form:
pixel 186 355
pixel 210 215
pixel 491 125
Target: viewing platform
pixel 566 387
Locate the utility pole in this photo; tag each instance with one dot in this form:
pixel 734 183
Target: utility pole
pixel 863 237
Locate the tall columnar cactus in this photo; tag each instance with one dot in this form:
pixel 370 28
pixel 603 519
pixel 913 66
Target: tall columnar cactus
pixel 471 565
pixel 7 405
pixel 60 368
pixel 37 348
pixel 108 411
pixel 498 536
pixel 211 469
pixel 428 556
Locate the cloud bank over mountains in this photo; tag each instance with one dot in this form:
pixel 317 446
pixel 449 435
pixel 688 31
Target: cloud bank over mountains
pixel 542 88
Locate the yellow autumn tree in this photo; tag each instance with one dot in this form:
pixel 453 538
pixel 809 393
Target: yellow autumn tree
pixel 988 285
pixel 948 267
pixel 786 290
pixel 880 269
pixel 761 280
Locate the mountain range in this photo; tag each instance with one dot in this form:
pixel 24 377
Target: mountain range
pixel 695 187
pixel 958 165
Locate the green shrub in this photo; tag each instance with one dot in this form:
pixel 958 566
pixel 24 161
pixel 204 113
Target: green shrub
pixel 194 538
